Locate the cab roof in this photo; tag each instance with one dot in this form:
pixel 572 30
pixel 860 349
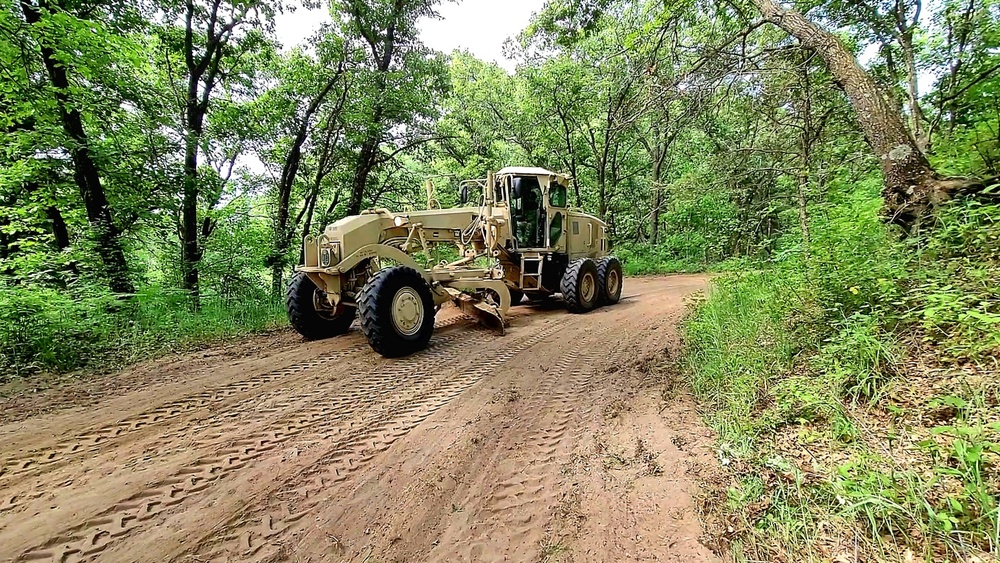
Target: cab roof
pixel 526 171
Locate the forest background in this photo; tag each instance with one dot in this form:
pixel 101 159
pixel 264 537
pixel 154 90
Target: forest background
pixel 162 160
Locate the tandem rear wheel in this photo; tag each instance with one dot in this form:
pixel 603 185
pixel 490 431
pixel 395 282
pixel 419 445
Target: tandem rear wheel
pixel 588 284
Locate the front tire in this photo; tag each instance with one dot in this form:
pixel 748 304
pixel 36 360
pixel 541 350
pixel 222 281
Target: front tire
pixel 579 286
pixel 302 303
pixel 609 278
pixel 396 309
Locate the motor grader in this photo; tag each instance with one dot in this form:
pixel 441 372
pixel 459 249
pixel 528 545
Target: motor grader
pixel 515 237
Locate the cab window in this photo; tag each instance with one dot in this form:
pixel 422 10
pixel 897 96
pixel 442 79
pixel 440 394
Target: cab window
pixel 555 229
pixel 557 195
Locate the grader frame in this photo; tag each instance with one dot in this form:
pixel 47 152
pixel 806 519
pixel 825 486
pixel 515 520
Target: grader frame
pixel 344 266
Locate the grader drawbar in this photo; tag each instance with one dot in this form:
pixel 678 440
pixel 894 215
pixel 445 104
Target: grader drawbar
pixel 515 238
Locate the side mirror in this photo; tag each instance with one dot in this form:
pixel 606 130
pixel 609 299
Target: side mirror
pixel 515 191
pixel 465 194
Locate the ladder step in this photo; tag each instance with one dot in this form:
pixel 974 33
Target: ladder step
pixel 531 270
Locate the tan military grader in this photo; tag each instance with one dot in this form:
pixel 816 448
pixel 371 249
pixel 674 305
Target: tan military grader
pixel 516 238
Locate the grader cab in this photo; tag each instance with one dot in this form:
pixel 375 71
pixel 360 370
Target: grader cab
pixel 515 237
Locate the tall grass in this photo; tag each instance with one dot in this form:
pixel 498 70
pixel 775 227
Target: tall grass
pixel 839 441
pixel 45 330
pixel 647 259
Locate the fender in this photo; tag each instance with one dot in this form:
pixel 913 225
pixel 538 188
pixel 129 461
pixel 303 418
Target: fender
pixel 377 251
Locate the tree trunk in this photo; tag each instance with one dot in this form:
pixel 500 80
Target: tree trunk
pixel 367 158
pixel 913 92
pixel 190 248
pixel 657 148
pixel 657 196
pixel 283 232
pixel 60 232
pixel 85 171
pixel 568 139
pixel 202 68
pixel 910 186
pixel 602 193
pixel 806 139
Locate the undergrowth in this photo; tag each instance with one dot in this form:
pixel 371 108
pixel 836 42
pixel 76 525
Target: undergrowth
pixel 47 330
pixel 853 387
pixel 647 259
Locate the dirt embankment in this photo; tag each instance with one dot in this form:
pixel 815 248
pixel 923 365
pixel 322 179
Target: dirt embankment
pixel 558 441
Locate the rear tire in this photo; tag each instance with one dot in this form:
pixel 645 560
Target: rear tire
pixel 609 278
pixel 579 286
pixel 301 299
pixel 396 309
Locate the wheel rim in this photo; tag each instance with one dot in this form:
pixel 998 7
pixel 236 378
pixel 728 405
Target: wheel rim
pixel 588 288
pixel 613 283
pixel 407 311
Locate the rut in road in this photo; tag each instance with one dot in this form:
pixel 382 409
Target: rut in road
pixel 81 445
pixel 480 448
pixel 321 413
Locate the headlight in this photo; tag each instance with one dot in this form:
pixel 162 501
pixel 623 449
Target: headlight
pixel 399 221
pixel 325 257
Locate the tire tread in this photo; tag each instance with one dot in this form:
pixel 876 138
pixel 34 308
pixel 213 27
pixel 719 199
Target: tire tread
pixel 570 285
pixel 303 316
pixel 382 337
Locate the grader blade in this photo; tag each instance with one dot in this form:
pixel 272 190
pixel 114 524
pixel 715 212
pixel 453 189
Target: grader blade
pixel 486 314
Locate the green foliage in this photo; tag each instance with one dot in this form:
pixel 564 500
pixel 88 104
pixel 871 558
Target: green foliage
pixel 807 355
pixel 955 294
pixel 701 152
pixel 44 330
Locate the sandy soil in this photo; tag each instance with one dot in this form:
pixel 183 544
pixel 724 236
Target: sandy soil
pixel 561 441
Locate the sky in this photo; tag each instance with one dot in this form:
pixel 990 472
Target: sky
pixel 481 26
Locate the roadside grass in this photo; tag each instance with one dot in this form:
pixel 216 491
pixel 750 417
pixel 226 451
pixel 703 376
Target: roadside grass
pixel 646 259
pixel 855 393
pixel 44 330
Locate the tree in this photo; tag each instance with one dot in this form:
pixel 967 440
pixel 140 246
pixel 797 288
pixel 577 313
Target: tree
pixel 911 186
pixel 86 171
pixel 402 81
pixel 306 87
pixel 212 41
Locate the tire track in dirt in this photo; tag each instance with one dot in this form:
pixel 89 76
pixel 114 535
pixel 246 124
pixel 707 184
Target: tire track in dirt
pixel 552 426
pixel 326 417
pixel 244 540
pixel 480 447
pixel 17 468
pixel 86 443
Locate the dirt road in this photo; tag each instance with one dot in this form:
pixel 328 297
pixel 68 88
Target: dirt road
pixel 560 441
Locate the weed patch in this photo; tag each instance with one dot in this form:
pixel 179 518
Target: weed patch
pixel 43 330
pixel 854 393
